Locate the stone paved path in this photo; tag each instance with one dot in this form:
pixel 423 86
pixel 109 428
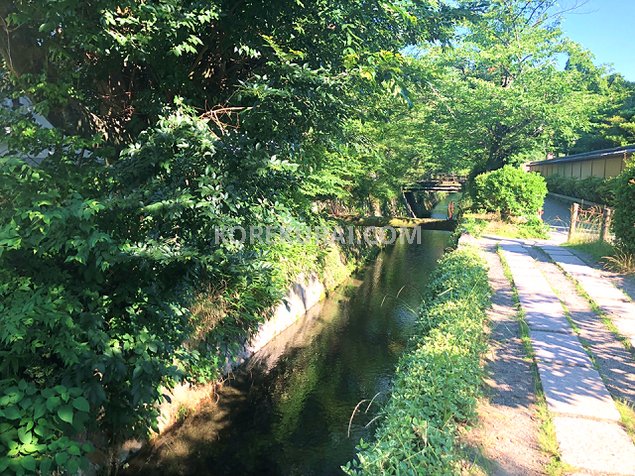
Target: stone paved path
pixel 609 298
pixel 614 362
pixel 508 428
pixel 585 417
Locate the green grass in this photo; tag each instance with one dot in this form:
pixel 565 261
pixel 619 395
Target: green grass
pixel 490 224
pixel 438 380
pixel 596 249
pixel 627 414
pixel 547 432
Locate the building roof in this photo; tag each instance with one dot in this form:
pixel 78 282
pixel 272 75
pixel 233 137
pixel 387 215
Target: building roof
pixel 595 154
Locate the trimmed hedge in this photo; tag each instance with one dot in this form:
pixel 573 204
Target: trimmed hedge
pixel 624 219
pixel 593 189
pixel 438 380
pixel 510 191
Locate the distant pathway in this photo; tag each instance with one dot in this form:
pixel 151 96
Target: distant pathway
pixel 556 214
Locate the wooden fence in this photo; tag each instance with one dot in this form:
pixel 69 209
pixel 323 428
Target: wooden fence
pixel 590 224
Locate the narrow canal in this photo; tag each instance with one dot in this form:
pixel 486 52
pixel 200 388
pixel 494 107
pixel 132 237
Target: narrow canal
pixel 287 412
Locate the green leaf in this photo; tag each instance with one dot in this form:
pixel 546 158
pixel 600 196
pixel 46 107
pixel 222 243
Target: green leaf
pixel 72 466
pixel 25 436
pixel 41 430
pixel 12 413
pixel 29 463
pixel 65 413
pixel 61 458
pixel 74 450
pixel 45 466
pixel 81 404
pixel 31 448
pixel 39 410
pixel 52 403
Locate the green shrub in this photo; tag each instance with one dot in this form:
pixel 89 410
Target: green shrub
pixel 593 189
pixel 510 191
pixel 438 380
pixel 624 219
pixel 98 270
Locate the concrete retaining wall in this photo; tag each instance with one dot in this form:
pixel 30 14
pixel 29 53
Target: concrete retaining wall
pixel 305 293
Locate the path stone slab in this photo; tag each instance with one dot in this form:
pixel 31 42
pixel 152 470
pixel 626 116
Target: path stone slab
pixel 562 349
pixel 569 260
pixel 576 391
pixel 610 299
pixel 556 250
pixel 605 292
pixel 543 310
pixel 576 270
pixel 547 322
pixel 595 446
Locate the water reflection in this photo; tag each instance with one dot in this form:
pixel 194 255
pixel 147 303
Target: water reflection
pixel 288 411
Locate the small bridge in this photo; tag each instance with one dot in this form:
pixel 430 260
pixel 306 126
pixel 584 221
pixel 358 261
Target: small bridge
pixel 438 183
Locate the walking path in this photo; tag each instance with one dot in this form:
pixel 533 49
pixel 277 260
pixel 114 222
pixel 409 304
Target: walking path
pixel 610 299
pixel 586 420
pixel 507 433
pixel 614 362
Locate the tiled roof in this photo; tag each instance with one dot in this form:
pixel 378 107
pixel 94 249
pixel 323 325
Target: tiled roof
pixel 595 154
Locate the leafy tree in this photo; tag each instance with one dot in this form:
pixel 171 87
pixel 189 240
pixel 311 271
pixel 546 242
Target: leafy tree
pixel 111 67
pixel 172 118
pixel 507 99
pixel 614 124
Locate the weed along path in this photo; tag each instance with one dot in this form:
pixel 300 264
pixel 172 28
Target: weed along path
pixel 578 329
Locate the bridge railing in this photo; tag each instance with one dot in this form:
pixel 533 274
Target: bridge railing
pixel 438 182
pixel 443 178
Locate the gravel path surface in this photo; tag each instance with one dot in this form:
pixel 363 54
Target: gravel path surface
pixel 508 428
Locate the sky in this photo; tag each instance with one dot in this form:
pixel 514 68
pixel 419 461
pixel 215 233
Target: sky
pixel 606 28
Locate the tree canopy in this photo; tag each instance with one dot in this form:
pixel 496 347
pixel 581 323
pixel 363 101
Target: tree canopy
pixel 174 118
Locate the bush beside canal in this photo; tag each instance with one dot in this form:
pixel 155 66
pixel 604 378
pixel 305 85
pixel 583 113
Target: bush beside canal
pixel 506 202
pixel 438 380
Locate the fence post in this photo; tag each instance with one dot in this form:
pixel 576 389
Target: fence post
pixel 607 214
pixel 451 210
pixel 575 209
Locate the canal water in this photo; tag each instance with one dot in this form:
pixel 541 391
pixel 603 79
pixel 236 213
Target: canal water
pixel 288 412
